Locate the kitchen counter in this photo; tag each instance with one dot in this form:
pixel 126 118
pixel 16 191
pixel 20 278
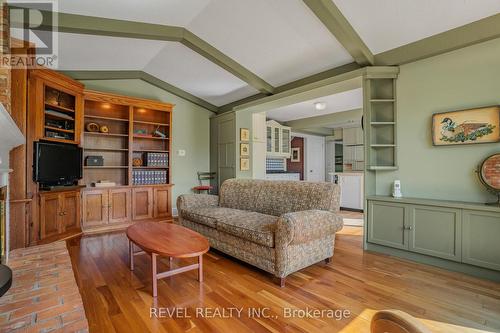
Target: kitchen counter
pixel 279 171
pixel 282 175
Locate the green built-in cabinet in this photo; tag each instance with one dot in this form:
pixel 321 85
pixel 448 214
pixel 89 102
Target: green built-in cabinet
pixel 461 232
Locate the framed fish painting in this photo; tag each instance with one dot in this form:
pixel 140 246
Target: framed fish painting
pixel 481 125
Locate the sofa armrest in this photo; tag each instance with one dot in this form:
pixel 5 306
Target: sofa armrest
pixel 304 226
pixel 189 201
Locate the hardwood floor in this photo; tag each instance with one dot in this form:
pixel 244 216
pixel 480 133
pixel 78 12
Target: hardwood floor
pixel 118 300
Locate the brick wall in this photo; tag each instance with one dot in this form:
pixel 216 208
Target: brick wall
pixel 5 50
pixel 297 166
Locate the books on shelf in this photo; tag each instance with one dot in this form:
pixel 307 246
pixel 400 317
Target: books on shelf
pixel 149 177
pixel 156 159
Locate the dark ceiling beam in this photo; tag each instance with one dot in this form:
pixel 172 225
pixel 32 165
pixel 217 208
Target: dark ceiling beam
pixel 333 19
pixel 99 26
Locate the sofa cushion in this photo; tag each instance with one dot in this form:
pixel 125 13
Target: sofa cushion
pixel 208 215
pixel 252 226
pixel 239 193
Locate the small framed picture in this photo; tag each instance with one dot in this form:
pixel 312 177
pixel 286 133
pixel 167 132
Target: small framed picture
pixel 295 155
pixel 244 134
pixel 244 164
pixel 244 149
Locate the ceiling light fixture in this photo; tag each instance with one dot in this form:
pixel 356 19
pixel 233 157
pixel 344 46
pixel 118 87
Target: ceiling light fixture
pixel 320 106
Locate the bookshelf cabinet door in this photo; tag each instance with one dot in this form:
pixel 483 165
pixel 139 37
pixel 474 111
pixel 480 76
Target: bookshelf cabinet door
pixel 70 211
pixel 95 208
pixel 120 206
pixel 50 215
pixel 162 205
pixel 142 203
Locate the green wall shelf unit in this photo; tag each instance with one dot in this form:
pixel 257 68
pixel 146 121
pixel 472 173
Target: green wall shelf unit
pixel 380 122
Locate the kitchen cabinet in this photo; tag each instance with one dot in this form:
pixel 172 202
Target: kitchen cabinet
pixel 59 213
pixel 278 140
pixel 351 189
pixel 352 136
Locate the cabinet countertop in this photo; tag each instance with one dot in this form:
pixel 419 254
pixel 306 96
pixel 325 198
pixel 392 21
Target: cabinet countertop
pixel 437 202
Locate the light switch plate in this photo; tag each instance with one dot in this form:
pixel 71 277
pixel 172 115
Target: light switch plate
pixel 181 152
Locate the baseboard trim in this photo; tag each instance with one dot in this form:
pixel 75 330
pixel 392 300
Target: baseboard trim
pixel 475 271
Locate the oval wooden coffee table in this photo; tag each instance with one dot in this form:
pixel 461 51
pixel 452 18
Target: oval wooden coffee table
pixel 167 240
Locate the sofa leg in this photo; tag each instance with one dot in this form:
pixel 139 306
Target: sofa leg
pixel 328 260
pixel 282 282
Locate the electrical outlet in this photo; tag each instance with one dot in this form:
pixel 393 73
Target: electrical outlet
pixel 181 152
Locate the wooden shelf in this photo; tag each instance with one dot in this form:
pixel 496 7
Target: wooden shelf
pixel 106 134
pixel 382 145
pixel 149 137
pixel 150 151
pixel 149 123
pixel 106 167
pixel 53 116
pixel 105 149
pixel 381 123
pixel 106 118
pixel 59 129
pixel 58 108
pixel 59 140
pixel 382 100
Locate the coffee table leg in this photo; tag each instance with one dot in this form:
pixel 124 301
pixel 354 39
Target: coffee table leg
pixel 200 268
pixel 131 254
pixel 154 274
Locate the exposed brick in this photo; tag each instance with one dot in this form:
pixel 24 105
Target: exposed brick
pixel 44 295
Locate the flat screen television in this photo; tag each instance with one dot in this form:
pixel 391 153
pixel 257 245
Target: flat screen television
pixel 56 164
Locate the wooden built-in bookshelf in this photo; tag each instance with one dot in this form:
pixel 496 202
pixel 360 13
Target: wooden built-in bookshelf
pixel 133 125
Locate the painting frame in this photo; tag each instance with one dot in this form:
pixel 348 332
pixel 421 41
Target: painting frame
pixel 244 134
pixel 244 149
pixel 463 127
pixel 244 164
pixel 295 155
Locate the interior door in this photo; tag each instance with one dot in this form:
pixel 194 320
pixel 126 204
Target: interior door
pixel 142 203
pixel 50 215
pixel 330 160
pixel 162 206
pixel 119 205
pixel 95 208
pixel 315 160
pixel 70 211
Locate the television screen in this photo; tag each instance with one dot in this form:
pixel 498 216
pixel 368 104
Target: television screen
pixel 57 163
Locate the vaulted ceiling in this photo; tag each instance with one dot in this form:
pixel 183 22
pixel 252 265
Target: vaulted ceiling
pixel 216 52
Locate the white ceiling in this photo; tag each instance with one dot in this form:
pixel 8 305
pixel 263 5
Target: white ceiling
pixel 171 62
pixel 166 12
pixel 387 24
pixel 279 40
pixel 344 101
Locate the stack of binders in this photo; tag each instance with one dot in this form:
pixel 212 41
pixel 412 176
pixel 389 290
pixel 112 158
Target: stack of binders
pixel 149 177
pixel 156 159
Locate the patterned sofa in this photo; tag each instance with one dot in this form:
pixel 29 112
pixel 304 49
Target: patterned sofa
pixel 278 226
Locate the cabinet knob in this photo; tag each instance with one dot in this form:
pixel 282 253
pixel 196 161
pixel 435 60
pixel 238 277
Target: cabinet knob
pixel 408 228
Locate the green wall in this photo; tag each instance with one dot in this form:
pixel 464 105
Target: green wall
pixel 465 78
pixel 191 129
